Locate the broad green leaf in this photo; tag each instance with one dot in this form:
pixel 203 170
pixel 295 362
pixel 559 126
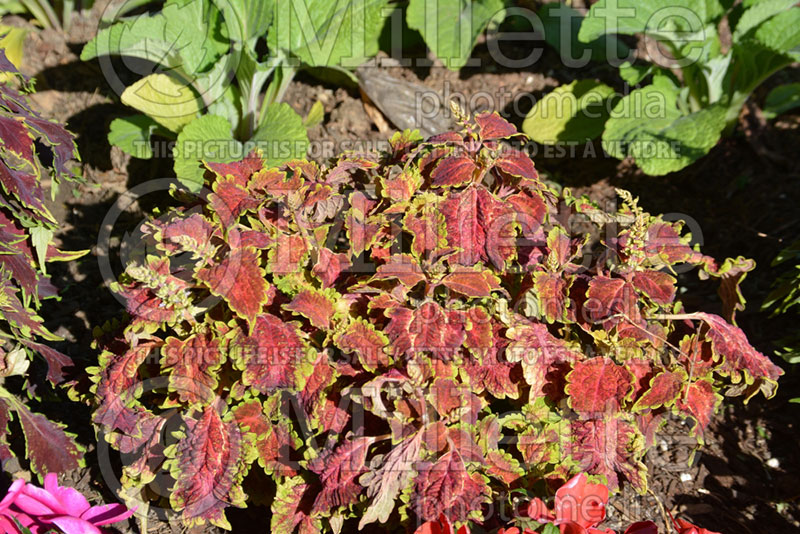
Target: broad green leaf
pixel 648 126
pixel 782 99
pixel 132 135
pixel 11 43
pixel 251 18
pixel 315 115
pixel 655 17
pixel 561 26
pixel 324 33
pixel 41 236
pixel 281 136
pixel 574 112
pixel 184 35
pixel 164 99
pixel 451 27
pixel 757 14
pixel 781 33
pixel 207 138
pixel 633 74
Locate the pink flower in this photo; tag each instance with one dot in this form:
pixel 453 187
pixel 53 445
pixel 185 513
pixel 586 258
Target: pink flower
pixel 41 509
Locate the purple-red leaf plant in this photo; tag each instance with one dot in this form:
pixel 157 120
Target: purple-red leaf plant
pixel 26 246
pixel 428 331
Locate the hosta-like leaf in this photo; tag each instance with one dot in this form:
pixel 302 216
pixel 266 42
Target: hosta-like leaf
pixel 208 469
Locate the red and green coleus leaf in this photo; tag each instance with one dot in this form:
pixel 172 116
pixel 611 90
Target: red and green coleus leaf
pixel 740 360
pixel 699 401
pixel 48 447
pixel 471 281
pixel 493 127
pixel 453 400
pixel 608 297
pixel 664 389
pixel 361 229
pixel 492 372
pixel 5 417
pixel 238 172
pixel 544 358
pixel 272 441
pixel 609 446
pixel 208 466
pixel 291 508
pixel 329 266
pixel 154 293
pixel 288 255
pixel 318 306
pixel 361 338
pixel 339 470
pixel 551 291
pixel 479 225
pixel 190 234
pixel 239 279
pixel 320 399
pixel 193 365
pixel 387 477
pixel 230 199
pixel 402 267
pixel 598 386
pixel 429 328
pixel 118 383
pixel 446 487
pixel 272 356
pixel 425 224
pixel 402 186
pixel 455 170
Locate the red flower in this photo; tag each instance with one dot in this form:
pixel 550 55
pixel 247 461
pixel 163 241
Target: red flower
pixel 684 527
pixel 440 526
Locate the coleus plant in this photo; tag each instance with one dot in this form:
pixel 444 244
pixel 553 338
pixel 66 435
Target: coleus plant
pixel 579 506
pixel 223 69
pixel 404 335
pixel 696 90
pixel 26 246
